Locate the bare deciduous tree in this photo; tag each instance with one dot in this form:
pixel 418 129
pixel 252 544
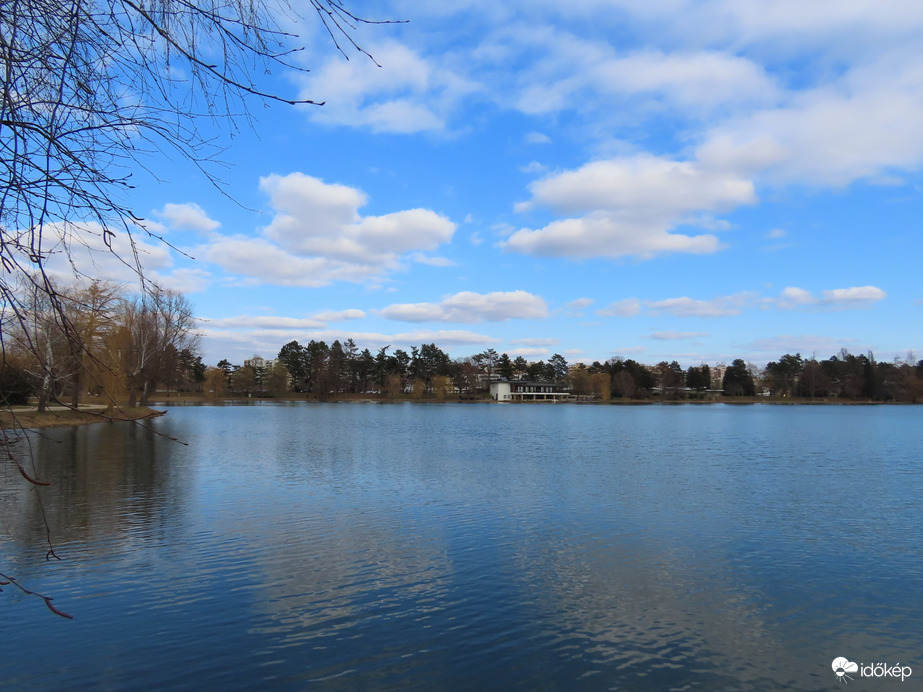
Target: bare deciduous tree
pixel 88 88
pixel 151 326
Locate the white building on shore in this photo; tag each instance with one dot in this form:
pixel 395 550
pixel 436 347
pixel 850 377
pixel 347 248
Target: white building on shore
pixel 524 390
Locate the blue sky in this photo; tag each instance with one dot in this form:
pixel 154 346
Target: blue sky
pixel 656 179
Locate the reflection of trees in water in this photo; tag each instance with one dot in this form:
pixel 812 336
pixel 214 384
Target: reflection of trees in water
pixel 105 481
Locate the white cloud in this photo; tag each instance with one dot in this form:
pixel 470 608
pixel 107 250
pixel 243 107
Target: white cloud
pixel 837 298
pixel 79 250
pixel 340 315
pixel 469 307
pixel 792 25
pixel 579 304
pixel 533 167
pixel 318 236
pixel 537 138
pixel 187 217
pixel 857 295
pixel 184 280
pixel 699 79
pixel 721 306
pixel 632 185
pixel 432 261
pixel 263 322
pixel 600 235
pixel 528 352
pixel 265 262
pixel 863 125
pixel 408 94
pixel 631 205
pixel 319 219
pixel 776 233
pixel 628 307
pixel 557 68
pixel 795 297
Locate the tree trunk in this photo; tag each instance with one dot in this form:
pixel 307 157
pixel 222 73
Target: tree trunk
pixel 75 398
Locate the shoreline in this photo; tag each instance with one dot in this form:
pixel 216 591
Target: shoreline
pixel 735 401
pixel 28 418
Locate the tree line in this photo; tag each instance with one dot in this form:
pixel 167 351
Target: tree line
pixel 100 340
pixel 323 371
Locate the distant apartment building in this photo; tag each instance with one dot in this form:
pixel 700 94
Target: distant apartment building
pixel 258 363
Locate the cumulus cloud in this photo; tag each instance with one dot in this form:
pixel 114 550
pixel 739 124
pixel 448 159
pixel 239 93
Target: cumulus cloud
pixel 837 298
pixel 623 185
pixel 188 216
pixel 317 236
pixel 563 70
pixel 79 250
pixel 861 126
pixel 857 295
pixel 820 125
pixel 469 307
pixel 412 94
pixel 630 206
pixel 319 219
pixel 696 79
pixel 266 262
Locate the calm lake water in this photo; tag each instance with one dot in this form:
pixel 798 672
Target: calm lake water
pixel 470 547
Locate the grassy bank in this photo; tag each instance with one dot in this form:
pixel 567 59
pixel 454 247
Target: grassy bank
pixel 29 417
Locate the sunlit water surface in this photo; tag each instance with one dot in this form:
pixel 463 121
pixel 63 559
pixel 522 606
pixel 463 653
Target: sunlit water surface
pixel 453 547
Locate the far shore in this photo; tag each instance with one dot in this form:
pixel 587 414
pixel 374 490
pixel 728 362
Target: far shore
pixel 187 399
pixel 56 415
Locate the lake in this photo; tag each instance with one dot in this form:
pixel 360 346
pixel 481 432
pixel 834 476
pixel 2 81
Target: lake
pixel 298 546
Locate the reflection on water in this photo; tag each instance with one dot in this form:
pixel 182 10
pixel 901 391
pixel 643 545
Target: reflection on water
pixel 337 546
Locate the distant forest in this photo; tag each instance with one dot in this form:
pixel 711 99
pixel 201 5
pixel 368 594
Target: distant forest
pixel 121 348
pixel 321 371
